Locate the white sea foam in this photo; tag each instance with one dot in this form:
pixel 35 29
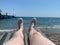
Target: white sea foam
pixel 55 26
pixel 7 30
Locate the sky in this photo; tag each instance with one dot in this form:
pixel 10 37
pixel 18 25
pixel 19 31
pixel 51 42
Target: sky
pixel 31 8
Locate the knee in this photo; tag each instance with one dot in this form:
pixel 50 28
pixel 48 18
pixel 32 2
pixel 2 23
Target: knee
pixel 35 33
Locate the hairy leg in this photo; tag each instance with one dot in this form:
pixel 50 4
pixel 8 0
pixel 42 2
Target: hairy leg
pixel 18 38
pixel 36 38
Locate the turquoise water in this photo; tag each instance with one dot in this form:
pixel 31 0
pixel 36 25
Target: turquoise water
pixel 41 22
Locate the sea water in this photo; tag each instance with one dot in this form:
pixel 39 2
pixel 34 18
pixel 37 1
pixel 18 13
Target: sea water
pixel 41 22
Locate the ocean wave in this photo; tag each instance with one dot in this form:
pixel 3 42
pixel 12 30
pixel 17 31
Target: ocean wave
pixel 55 26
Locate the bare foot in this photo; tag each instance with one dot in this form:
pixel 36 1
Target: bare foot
pixel 20 23
pixel 33 23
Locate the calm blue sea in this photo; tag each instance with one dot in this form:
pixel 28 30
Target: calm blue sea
pixel 42 22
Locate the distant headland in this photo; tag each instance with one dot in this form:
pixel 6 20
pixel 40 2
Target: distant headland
pixel 5 16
